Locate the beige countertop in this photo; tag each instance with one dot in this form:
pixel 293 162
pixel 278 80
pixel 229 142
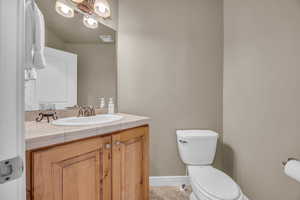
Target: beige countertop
pixel 44 134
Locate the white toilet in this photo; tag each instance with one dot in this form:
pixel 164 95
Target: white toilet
pixel 197 150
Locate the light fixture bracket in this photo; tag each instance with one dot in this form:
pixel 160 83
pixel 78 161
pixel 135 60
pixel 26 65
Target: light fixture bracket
pixel 87 6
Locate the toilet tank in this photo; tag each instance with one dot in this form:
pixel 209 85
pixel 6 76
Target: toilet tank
pixel 197 147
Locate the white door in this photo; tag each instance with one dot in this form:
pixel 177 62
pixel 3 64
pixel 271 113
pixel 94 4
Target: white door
pixel 11 94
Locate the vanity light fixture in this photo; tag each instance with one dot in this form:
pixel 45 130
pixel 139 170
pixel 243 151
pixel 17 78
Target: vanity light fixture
pixel 90 9
pixel 90 22
pixel 78 1
pixel 102 8
pixel 64 10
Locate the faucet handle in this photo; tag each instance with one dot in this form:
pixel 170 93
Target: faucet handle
pixel 93 111
pixel 85 111
pixel 80 111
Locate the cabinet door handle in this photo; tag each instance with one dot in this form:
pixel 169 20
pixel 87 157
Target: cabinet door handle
pixel 108 146
pixel 183 141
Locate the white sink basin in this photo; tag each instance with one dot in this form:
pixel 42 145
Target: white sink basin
pixel 84 121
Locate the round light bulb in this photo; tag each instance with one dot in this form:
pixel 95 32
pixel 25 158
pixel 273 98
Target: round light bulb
pixel 90 22
pixel 64 10
pixel 102 8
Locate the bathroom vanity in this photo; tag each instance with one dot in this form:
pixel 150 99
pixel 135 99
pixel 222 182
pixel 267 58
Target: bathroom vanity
pixel 81 158
pixel 99 162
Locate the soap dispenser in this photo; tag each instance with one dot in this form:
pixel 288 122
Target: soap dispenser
pixel 111 106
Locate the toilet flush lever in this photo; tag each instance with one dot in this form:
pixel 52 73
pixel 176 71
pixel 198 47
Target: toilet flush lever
pixel 183 141
pixel 285 162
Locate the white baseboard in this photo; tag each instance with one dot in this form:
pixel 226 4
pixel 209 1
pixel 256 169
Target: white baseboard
pixel 158 181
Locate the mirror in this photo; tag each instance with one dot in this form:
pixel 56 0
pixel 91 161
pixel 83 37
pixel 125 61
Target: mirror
pixel 81 62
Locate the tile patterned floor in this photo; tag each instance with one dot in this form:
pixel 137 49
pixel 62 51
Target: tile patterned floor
pixel 169 193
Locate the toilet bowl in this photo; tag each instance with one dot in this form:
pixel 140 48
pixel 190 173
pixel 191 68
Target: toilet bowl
pixel 197 150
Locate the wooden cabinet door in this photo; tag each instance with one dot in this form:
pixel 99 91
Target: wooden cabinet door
pixel 130 165
pixel 75 171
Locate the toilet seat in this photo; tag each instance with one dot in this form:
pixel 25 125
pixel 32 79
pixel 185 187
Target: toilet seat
pixel 212 184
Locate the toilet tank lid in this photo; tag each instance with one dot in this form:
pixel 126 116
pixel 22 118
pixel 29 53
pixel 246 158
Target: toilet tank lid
pixel 196 133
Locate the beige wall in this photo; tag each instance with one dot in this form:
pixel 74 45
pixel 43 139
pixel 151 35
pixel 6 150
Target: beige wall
pixel 52 40
pixel 261 95
pixel 97 72
pixel 170 69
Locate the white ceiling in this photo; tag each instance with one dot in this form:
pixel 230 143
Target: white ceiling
pixel 70 30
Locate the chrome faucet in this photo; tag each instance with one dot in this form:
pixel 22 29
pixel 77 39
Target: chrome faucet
pixel 86 111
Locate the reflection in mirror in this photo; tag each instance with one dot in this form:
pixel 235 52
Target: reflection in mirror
pixel 80 58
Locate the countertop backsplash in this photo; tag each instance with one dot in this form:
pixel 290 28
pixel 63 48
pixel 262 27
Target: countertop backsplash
pixel 32 115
